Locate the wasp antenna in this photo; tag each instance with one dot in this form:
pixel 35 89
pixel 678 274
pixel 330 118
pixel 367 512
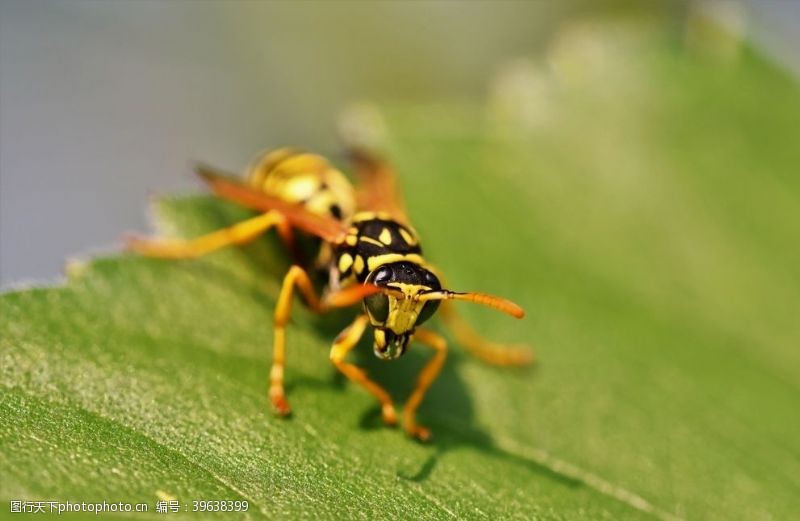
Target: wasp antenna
pixel 492 301
pixel 350 295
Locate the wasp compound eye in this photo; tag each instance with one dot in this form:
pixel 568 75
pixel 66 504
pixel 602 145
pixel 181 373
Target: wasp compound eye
pixel 427 311
pixel 382 276
pixel 377 306
pixel 432 281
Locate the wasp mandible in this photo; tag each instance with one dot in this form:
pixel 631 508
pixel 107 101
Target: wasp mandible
pixel 366 252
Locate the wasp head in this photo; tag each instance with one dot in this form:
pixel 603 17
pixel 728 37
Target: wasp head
pixel 395 313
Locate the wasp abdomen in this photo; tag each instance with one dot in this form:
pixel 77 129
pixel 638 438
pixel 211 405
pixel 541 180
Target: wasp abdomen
pixel 304 178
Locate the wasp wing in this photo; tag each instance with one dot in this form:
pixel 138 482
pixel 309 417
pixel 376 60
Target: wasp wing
pixel 377 189
pixel 229 187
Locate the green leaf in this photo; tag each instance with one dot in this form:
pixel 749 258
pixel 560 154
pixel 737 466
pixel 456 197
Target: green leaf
pixel 644 212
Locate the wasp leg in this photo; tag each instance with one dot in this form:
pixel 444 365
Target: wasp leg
pixel 424 381
pixel 346 340
pixel 488 351
pixel 296 276
pixel 240 233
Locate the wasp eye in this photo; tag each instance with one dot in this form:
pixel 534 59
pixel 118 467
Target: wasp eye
pixel 428 310
pixel 432 282
pixel 382 276
pixel 378 306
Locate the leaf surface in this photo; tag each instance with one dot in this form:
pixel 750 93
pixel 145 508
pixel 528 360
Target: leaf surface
pixel 647 222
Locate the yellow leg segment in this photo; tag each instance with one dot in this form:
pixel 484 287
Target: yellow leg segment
pixel 240 233
pixel 424 381
pixel 346 340
pixel 296 276
pixel 490 352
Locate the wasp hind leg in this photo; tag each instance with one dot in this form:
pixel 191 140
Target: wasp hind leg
pixel 490 352
pixel 240 233
pixel 346 341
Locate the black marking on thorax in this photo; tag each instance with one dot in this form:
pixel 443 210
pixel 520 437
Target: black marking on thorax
pixel 373 238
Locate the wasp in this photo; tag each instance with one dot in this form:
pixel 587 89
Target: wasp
pixel 365 253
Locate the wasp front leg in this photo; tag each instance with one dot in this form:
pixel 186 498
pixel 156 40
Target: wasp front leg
pixel 346 341
pixel 426 377
pixel 240 233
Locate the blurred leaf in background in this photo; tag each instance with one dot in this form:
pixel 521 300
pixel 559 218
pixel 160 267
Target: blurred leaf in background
pixel 636 193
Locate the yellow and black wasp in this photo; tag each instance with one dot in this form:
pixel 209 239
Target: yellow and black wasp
pixel 369 253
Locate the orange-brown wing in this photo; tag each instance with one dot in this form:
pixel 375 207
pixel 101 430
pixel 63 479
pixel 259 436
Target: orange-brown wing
pixel 230 188
pixel 377 189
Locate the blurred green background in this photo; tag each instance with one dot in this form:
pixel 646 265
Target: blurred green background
pixel 102 103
